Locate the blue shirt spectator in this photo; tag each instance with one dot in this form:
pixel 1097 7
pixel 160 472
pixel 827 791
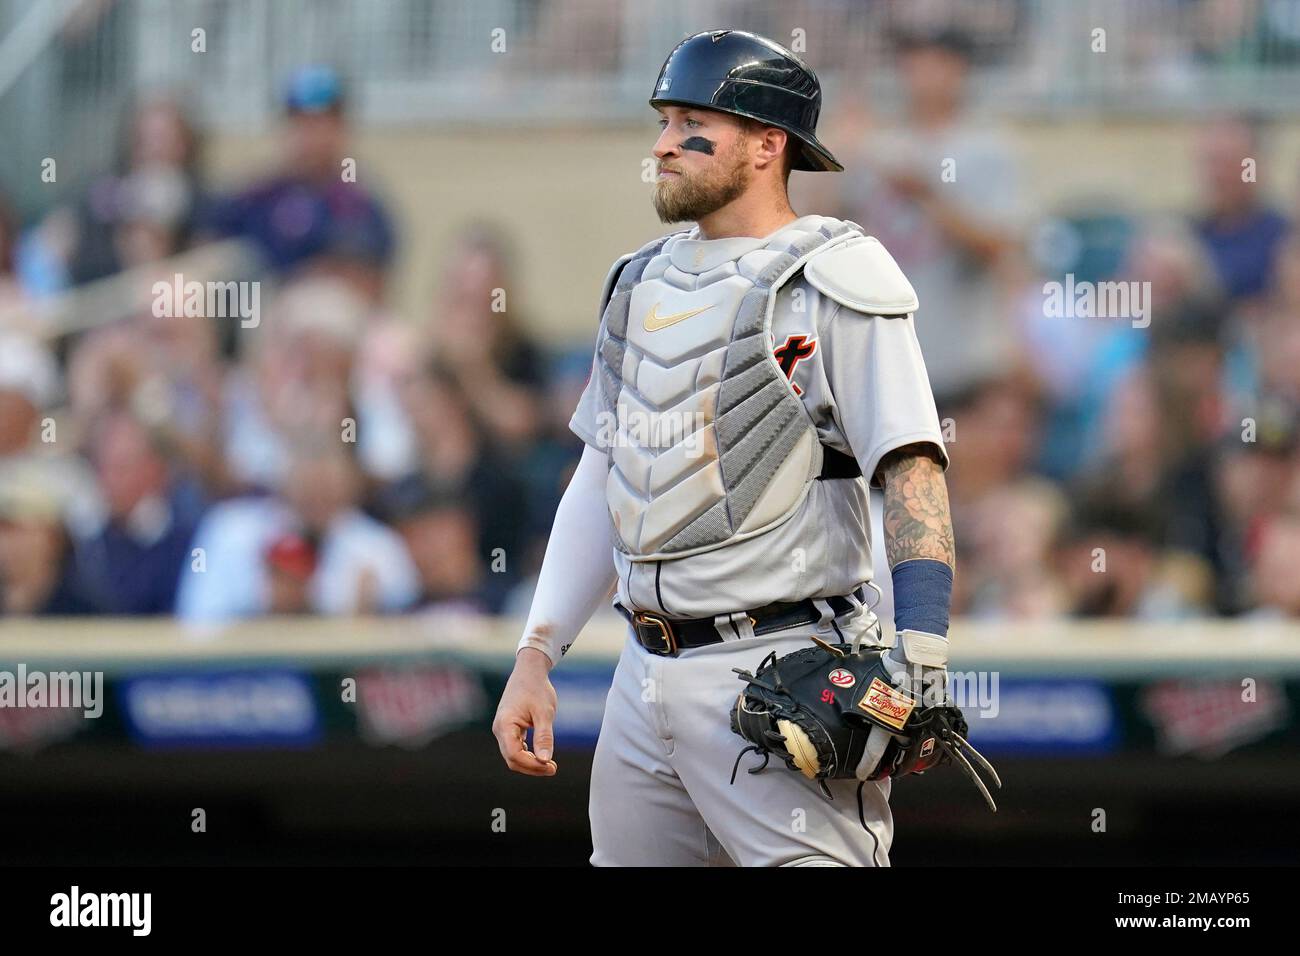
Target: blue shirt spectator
pixel 292 220
pixel 132 563
pixel 1244 250
pixel 133 566
pixel 1242 235
pixel 309 209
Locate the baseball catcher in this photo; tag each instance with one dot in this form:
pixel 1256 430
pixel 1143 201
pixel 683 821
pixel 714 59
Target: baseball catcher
pixel 754 376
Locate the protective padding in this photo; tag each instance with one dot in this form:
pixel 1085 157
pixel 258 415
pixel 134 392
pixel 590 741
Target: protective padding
pixel 709 441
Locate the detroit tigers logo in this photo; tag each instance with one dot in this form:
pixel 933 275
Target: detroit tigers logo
pixel 794 349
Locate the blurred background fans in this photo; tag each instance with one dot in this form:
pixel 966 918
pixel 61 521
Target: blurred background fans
pixel 425 196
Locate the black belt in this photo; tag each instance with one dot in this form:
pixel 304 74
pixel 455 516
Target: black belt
pixel 666 635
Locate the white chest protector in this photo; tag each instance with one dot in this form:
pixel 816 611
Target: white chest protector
pixel 708 442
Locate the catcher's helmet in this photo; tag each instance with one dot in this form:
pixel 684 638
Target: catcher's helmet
pixel 748 75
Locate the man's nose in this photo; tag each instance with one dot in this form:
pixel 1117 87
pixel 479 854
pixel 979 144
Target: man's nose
pixel 667 145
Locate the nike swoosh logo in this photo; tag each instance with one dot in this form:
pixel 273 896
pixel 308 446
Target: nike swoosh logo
pixel 654 322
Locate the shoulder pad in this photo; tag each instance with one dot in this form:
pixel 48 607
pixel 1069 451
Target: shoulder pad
pixel 862 275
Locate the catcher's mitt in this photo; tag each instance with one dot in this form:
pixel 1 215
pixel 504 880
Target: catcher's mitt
pixel 815 709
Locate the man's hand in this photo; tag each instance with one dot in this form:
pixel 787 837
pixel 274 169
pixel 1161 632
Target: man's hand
pixel 528 701
pixel 924 675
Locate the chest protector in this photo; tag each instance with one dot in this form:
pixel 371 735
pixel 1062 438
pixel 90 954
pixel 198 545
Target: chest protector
pixel 708 443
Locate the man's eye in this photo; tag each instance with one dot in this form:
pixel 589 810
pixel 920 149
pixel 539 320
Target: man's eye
pixel 691 122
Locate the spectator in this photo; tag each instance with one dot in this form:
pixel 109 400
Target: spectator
pixel 362 566
pixel 554 454
pixel 480 341
pixel 1013 534
pixel 388 358
pixel 147 208
pixel 29 383
pixel 1159 429
pixel 1081 361
pixel 442 536
pixel 132 564
pixel 309 208
pixel 167 371
pixel 1256 476
pixel 942 194
pixel 1276 581
pixel 1187 371
pixel 321 359
pixel 994 429
pixel 291 562
pixel 296 378
pixel 1113 566
pixel 31 437
pixel 455 456
pixel 37 569
pixel 1241 232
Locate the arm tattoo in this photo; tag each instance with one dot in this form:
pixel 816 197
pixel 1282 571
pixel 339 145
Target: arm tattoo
pixel 917 521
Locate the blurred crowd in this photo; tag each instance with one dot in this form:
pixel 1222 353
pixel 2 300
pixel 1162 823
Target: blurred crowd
pixel 1139 462
pixel 319 459
pixel 1163 41
pixel 337 458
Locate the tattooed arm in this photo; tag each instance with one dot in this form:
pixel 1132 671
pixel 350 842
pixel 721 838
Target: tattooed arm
pixel 917 521
pixel 921 553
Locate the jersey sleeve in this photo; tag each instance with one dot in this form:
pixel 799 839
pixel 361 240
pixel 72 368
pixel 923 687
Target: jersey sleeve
pixel 880 392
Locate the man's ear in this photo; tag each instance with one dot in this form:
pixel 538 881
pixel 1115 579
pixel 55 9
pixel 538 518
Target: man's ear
pixel 772 141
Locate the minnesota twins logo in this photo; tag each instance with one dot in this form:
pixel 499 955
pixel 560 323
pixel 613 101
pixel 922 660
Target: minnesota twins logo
pixel 791 351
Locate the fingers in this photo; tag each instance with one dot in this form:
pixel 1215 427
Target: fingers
pixel 511 731
pixel 543 735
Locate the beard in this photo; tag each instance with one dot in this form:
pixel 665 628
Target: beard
pixel 689 198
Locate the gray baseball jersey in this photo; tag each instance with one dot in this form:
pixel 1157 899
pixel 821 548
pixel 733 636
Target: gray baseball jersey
pixel 863 383
pixel 738 514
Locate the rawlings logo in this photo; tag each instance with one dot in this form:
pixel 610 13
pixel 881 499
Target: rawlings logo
pixel 927 748
pixel 841 678
pixel 889 704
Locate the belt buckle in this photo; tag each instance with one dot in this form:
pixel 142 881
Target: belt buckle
pixel 644 619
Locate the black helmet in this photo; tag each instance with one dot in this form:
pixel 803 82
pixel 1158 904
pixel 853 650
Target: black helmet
pixel 737 72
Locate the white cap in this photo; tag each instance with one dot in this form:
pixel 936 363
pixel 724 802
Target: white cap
pixel 29 368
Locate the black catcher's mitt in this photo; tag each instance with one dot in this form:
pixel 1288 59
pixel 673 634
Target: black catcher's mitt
pixel 815 709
